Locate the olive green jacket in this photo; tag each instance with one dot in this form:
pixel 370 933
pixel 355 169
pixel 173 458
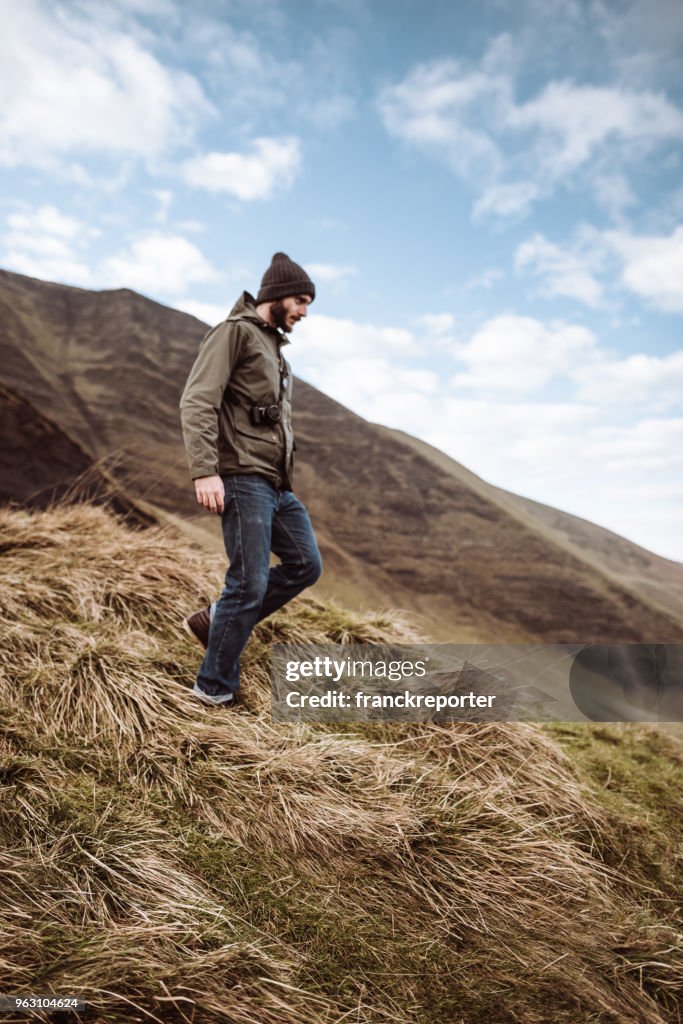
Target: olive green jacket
pixel 239 364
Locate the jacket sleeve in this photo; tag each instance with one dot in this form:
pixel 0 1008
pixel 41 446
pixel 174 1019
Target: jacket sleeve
pixel 201 399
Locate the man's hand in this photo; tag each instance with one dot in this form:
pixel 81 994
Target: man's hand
pixel 210 493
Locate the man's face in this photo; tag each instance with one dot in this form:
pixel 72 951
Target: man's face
pixel 287 312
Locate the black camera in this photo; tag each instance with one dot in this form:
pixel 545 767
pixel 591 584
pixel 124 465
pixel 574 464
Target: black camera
pixel 265 414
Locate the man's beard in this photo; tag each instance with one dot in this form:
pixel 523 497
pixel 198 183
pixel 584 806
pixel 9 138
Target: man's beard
pixel 279 316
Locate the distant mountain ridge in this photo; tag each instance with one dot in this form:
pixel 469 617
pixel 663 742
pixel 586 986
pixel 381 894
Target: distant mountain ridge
pixel 399 524
pixel 655 577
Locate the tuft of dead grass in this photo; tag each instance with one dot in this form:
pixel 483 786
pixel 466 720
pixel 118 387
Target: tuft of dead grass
pixel 178 863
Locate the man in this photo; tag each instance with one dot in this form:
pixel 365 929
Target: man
pixel 236 421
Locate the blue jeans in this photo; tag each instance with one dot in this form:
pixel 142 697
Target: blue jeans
pixel 257 519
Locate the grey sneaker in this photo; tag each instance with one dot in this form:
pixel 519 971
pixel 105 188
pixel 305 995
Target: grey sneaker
pixel 228 700
pixel 198 625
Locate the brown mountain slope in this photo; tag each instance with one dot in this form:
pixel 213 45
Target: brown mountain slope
pixel 658 580
pixel 395 528
pixel 41 465
pixel 107 367
pixel 448 550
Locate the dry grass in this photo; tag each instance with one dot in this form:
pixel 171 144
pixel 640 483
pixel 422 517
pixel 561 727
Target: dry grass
pixel 177 863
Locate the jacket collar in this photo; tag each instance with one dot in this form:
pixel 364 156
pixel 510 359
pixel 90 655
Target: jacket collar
pixel 245 309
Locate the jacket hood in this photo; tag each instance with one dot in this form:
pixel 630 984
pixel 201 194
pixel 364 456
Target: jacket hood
pixel 245 307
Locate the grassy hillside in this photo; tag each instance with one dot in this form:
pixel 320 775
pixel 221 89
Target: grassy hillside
pixel 177 863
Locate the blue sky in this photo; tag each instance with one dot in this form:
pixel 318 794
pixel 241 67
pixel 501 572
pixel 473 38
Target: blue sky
pixel 489 197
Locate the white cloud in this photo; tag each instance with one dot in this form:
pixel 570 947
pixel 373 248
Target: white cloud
pixel 652 267
pixel 45 243
pixel 640 379
pixel 210 313
pixel 584 454
pixel 253 73
pixel 645 39
pixel 563 271
pixel 520 355
pixel 516 438
pixel 158 264
pixel 321 335
pixel 164 197
pixel 233 53
pixel 46 220
pixel 657 443
pixel 572 457
pixel 510 201
pixel 332 111
pixel 272 164
pixel 70 84
pixel 582 118
pixel 330 273
pixel 436 332
pixel 614 194
pixel 513 152
pixel 434 109
pixel 370 384
pixel 63 266
pixel 119 13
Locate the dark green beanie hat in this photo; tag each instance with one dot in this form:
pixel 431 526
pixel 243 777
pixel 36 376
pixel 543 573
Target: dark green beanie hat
pixel 282 278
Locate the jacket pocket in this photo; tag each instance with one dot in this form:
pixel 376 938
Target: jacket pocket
pixel 257 447
pixel 257 435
